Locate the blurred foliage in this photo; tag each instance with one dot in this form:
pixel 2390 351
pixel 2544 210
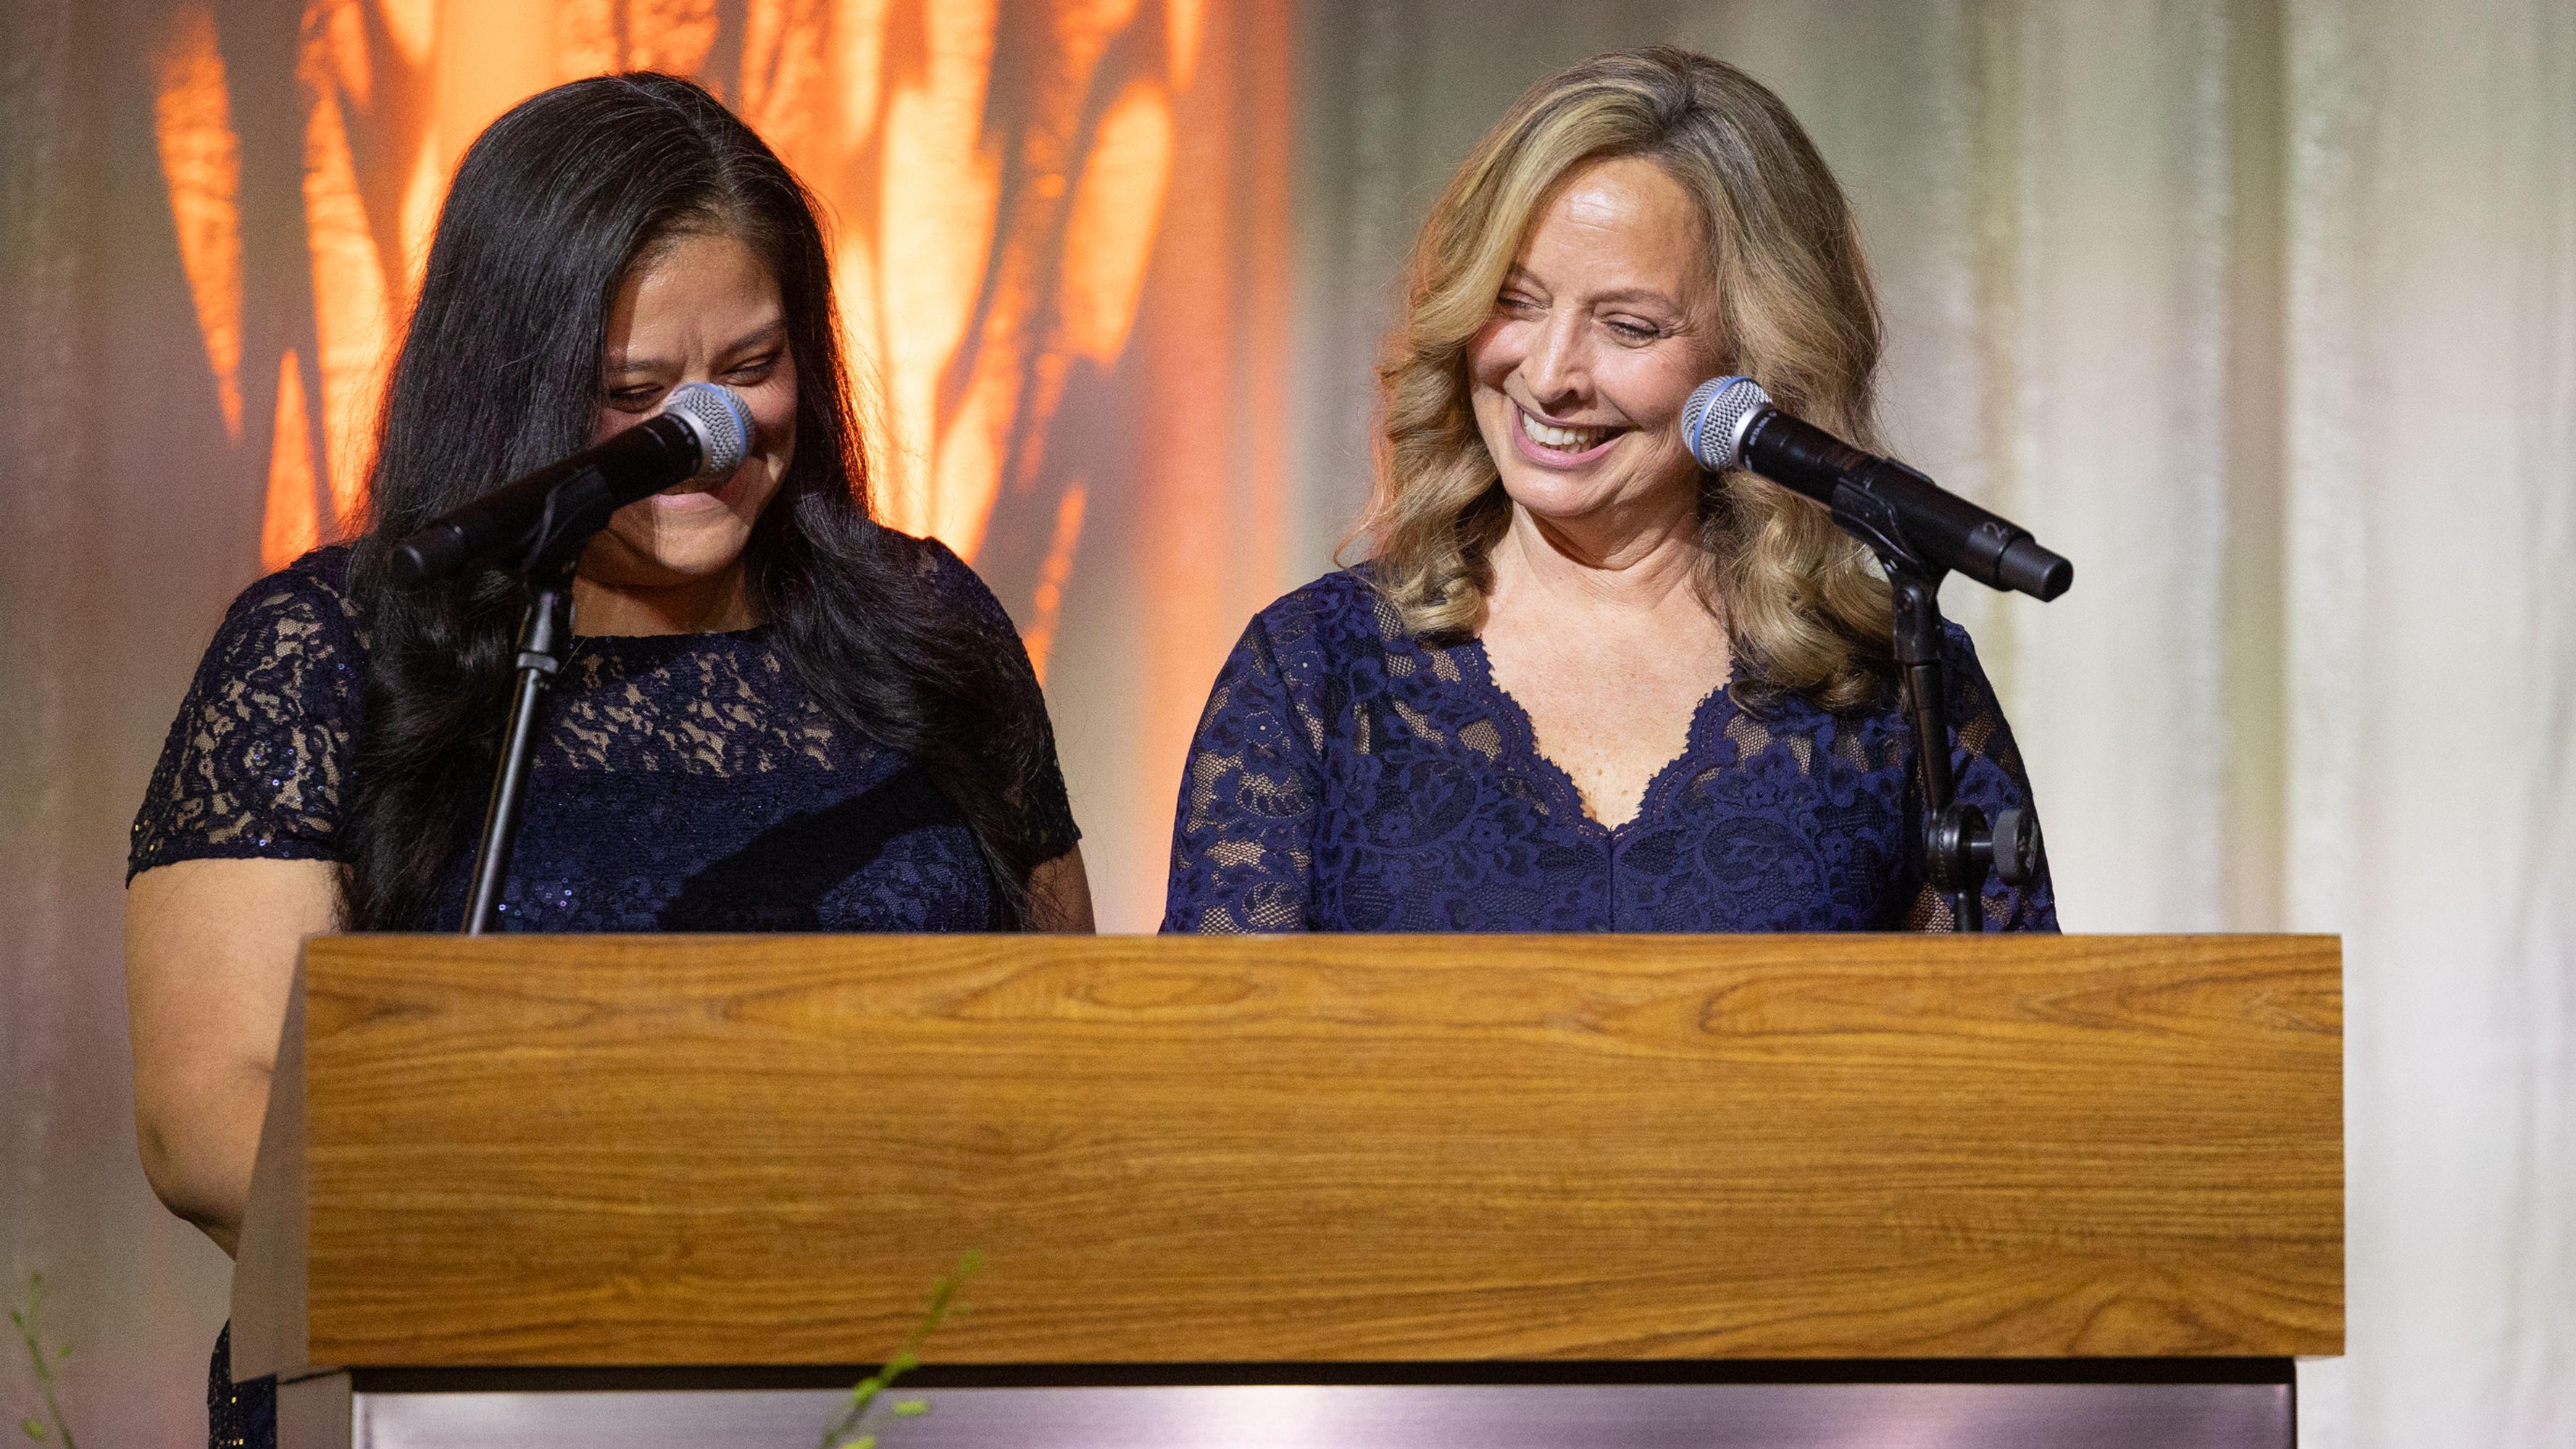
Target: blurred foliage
pixel 46 1359
pixel 843 1434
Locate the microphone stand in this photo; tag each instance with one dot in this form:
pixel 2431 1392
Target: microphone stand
pixel 1957 846
pixel 1887 506
pixel 575 511
pixel 545 638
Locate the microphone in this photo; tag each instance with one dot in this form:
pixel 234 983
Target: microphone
pixel 1730 423
pixel 702 431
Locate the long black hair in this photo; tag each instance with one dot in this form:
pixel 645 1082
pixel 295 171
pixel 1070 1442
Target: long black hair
pixel 501 372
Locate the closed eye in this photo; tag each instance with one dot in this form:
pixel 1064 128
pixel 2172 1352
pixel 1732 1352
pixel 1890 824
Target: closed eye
pixel 756 370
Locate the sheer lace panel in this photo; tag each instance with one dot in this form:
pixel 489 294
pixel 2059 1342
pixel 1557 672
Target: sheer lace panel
pixel 686 704
pixel 1248 799
pixel 257 762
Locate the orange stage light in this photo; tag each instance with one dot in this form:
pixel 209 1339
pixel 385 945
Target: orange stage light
pixel 352 298
pixel 979 259
pixel 291 525
pixel 1048 603
pixel 201 163
pixel 1003 241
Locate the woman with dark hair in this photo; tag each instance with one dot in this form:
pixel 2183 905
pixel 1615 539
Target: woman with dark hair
pixel 1581 684
pixel 778 715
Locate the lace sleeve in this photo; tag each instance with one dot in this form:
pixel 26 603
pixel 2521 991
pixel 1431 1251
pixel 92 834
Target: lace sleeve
pixel 256 764
pixel 1024 748
pixel 1243 842
pixel 1987 766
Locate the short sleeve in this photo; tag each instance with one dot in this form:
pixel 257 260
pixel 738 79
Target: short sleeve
pixel 1024 748
pixel 1987 768
pixel 256 765
pixel 1243 837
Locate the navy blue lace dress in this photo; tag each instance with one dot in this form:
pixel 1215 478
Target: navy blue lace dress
pixel 682 783
pixel 1348 776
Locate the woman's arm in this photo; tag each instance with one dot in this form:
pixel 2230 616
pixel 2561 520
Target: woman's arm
pixel 231 867
pixel 210 948
pixel 1243 834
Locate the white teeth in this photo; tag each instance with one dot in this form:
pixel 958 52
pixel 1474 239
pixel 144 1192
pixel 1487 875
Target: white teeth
pixel 1564 440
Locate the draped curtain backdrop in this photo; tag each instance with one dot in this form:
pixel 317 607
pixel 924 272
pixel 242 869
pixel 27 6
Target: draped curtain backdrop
pixel 2264 312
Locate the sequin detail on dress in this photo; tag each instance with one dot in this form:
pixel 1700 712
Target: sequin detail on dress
pixel 1349 777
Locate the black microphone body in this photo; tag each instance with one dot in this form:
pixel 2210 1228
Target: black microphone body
pixel 1903 506
pixel 1895 509
pixel 513 523
pixel 703 430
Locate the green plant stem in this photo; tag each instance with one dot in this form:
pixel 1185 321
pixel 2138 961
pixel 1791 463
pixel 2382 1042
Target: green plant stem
pixel 943 1294
pixel 30 1326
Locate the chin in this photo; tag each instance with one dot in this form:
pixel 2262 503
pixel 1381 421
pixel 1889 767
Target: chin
pixel 695 565
pixel 689 557
pixel 1558 495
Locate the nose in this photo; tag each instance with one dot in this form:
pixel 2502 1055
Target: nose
pixel 1558 368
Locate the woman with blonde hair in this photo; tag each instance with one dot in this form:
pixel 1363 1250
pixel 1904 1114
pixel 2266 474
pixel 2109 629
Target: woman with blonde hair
pixel 1580 683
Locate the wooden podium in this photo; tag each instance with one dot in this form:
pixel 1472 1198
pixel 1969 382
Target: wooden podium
pixel 1638 1190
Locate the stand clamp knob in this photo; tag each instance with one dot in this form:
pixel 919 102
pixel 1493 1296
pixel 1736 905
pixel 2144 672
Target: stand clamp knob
pixel 2014 846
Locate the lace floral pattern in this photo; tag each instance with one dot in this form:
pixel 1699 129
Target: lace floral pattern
pixel 1348 777
pixel 682 782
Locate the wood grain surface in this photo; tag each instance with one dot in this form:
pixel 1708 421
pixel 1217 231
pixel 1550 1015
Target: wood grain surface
pixel 700 1150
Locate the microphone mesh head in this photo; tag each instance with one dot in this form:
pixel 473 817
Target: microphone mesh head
pixel 720 419
pixel 1716 418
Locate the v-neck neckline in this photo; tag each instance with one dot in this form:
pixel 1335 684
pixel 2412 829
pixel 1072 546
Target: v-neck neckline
pixel 1521 740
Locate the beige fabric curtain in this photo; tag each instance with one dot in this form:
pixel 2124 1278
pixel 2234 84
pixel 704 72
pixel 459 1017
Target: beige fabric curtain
pixel 2266 315
pixel 2432 689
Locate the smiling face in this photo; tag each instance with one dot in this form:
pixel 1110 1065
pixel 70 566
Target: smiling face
pixel 1603 326
pixel 698 307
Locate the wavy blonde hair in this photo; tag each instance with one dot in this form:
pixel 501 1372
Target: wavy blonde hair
pixel 1805 610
